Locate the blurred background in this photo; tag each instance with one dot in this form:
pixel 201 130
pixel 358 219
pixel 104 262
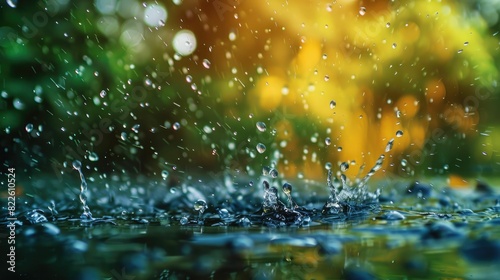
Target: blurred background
pixel 167 89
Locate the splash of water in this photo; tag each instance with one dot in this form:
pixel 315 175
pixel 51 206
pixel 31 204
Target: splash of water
pixel 86 215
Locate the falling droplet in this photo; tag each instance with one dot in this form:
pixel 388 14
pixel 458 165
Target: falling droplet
pixel 328 141
pixel 266 170
pixel 206 63
pixel 77 164
pixel 362 11
pixel 135 128
pixel 261 148
pixel 344 166
pixel 388 25
pixel 102 94
pixel 93 156
pixel 123 136
pixel 399 133
pixel 333 104
pixel 261 126
pixel 273 173
pixel 339 149
pixel 328 166
pixel 29 127
pixel 287 188
pixel 176 126
pixel 404 162
pixel 394 45
pixel 200 205
pixel 12 3
pixel 164 174
pixel 389 145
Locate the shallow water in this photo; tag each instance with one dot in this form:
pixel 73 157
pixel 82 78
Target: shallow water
pixel 436 232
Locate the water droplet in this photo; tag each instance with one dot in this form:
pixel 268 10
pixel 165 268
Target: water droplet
pixel 287 188
pixel 77 164
pixel 273 173
pixel 164 174
pixel 328 141
pixel 344 166
pixel 466 43
pixel 388 25
pixel 29 127
pixel 261 148
pixel 123 136
pixel 232 36
pixel 460 51
pixel 394 45
pixel 102 94
pixel 265 171
pixel 18 104
pixel 339 149
pixel 206 63
pixel 176 126
pixel 389 145
pixel 328 166
pixel 200 205
pixel 135 128
pixel 333 104
pixel 362 11
pixel 327 78
pixel 223 213
pixel 183 220
pixel 12 3
pixel 404 162
pixel 93 156
pixel 261 126
pixel 399 133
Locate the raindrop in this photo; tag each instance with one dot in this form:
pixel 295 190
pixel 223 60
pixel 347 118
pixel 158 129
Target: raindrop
pixel 123 136
pixel 266 170
pixel 328 166
pixel 232 36
pixel 223 213
pixel 394 45
pixel 388 25
pixel 93 156
pixel 362 11
pixel 389 145
pixel 339 149
pixel 344 166
pixel 327 78
pixel 184 42
pixel 164 174
pixel 273 173
pixel 18 104
pixel 77 164
pixel 135 128
pixel 12 3
pixel 206 63
pixel 333 104
pixel 404 162
pixel 176 126
pixel 29 127
pixel 102 94
pixel 399 133
pixel 261 148
pixel 200 205
pixel 328 141
pixel 261 126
